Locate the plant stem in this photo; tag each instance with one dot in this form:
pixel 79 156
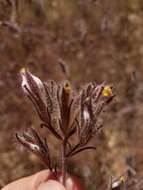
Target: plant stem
pixel 63 162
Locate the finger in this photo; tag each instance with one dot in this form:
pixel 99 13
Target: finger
pixel 29 183
pixel 51 184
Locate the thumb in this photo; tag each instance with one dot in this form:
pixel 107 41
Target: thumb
pixel 51 184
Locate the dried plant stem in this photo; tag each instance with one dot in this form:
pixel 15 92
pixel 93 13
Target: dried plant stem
pixel 63 161
pixel 65 113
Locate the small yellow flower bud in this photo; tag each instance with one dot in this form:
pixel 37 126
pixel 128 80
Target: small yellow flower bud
pixel 67 88
pixel 107 91
pixel 122 179
pixel 23 70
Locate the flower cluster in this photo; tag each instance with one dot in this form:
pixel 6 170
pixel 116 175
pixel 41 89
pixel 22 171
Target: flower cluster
pixel 65 112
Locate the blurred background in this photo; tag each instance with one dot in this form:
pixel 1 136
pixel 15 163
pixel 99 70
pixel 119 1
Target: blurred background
pixel 99 40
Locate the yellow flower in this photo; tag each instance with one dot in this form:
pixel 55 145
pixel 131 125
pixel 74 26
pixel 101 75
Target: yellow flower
pixel 67 88
pixel 122 179
pixel 23 70
pixel 117 184
pixel 107 91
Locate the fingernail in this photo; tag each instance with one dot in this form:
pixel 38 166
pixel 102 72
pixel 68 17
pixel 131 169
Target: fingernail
pixel 51 184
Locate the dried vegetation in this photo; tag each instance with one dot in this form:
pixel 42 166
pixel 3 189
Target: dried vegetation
pixel 100 41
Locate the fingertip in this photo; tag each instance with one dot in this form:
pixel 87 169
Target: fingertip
pixel 39 178
pixel 51 184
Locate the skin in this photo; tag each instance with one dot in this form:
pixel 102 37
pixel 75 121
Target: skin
pixel 38 181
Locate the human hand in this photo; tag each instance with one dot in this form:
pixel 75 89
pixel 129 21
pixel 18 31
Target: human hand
pixel 39 181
